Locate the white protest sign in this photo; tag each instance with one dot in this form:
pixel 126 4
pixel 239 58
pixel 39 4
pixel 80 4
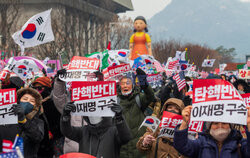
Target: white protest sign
pixel 155 80
pixel 7 99
pixel 216 100
pixel 78 75
pixel 94 98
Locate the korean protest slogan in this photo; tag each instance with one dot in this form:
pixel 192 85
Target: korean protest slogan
pixel 216 100
pixel 94 98
pixel 170 121
pixel 81 69
pixel 7 99
pixel 246 98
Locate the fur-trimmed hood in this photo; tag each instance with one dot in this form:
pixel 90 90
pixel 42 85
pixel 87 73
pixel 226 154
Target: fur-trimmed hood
pixel 36 95
pixel 173 101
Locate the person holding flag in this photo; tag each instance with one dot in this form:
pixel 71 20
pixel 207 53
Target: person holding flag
pixel 156 146
pixel 219 140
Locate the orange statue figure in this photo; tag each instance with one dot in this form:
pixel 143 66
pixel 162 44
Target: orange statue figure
pixel 140 42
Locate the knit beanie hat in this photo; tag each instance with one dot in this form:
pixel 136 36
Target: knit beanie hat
pixel 45 81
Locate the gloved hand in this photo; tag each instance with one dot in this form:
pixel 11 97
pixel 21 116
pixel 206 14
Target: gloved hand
pixel 118 111
pixel 187 100
pixel 142 77
pixel 19 111
pixel 68 108
pixel 61 72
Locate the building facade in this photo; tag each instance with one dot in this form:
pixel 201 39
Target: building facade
pixel 79 26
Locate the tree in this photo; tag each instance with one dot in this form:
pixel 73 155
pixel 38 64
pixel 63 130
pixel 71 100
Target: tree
pixel 120 32
pixel 227 55
pixel 195 53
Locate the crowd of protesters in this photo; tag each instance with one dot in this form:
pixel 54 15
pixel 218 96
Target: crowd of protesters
pixel 48 129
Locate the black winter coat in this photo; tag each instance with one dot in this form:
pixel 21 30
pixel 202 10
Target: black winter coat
pixel 102 140
pixel 32 133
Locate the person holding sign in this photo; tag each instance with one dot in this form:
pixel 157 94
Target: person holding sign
pixel 29 126
pixel 220 140
pixel 156 146
pixel 101 137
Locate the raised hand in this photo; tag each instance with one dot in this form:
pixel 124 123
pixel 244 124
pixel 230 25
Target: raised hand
pixel 186 113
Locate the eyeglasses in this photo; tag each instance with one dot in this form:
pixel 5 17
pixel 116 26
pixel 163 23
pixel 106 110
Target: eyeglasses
pixel 127 83
pixel 38 88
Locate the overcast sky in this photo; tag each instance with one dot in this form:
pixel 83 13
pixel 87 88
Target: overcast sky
pixel 148 8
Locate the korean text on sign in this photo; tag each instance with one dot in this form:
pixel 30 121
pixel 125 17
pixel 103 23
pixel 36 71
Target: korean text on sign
pixel 7 99
pixel 246 98
pixel 94 98
pixel 84 63
pixel 116 70
pixel 170 121
pixel 93 90
pixel 217 100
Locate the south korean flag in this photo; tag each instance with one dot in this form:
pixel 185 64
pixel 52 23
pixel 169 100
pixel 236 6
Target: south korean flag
pixel 208 62
pixel 37 30
pixel 151 122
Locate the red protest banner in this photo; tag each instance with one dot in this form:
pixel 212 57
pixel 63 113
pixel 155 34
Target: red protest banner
pixel 246 98
pixel 78 62
pixel 7 96
pixel 171 120
pixel 115 70
pixel 92 90
pixel 205 90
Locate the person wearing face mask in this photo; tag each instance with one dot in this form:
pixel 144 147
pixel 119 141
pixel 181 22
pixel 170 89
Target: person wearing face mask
pixel 102 137
pixel 219 140
pixel 161 147
pixel 134 113
pixel 52 144
pixel 29 126
pixel 241 86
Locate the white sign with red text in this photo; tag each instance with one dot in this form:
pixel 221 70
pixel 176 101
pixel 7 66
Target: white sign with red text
pixel 115 70
pixel 7 99
pixel 170 121
pixel 246 98
pixel 244 74
pixel 216 100
pixel 94 98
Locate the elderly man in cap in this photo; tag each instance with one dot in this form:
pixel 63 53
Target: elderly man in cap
pixel 130 97
pixel 220 140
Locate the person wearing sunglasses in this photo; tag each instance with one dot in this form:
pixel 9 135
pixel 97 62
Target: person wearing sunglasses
pixel 51 144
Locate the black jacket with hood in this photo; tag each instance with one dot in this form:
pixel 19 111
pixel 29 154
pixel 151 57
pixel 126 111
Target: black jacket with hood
pixel 32 133
pixel 101 140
